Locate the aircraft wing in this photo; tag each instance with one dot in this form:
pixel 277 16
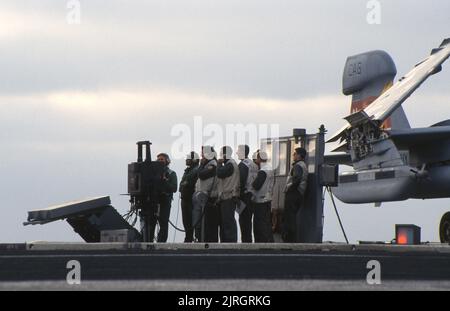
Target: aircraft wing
pixel 419 136
pixel 389 101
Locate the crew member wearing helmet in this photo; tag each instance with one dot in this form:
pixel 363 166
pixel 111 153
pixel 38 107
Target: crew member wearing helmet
pixel 187 188
pixel 262 199
pixel 205 213
pixel 247 171
pixel 228 190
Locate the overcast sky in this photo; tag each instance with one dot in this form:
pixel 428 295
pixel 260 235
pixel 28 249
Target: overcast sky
pixel 74 98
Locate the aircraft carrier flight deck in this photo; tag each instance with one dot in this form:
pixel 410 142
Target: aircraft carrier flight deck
pixel 203 266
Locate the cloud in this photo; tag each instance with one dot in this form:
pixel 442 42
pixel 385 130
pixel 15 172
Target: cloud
pixel 120 116
pixel 288 50
pixel 116 115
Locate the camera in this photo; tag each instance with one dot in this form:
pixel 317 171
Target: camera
pixel 144 178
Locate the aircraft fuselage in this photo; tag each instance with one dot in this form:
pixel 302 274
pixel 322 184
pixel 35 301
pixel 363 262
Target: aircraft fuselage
pixel 393 184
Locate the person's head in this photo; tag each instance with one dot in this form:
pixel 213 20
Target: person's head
pixel 261 157
pixel 243 152
pixel 192 159
pixel 226 153
pixel 208 153
pixel 299 154
pixel 164 158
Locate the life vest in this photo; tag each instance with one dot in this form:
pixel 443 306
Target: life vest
pixel 303 183
pixel 264 194
pixel 208 186
pixel 252 172
pixel 229 187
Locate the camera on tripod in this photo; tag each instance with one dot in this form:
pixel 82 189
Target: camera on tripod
pixel 96 220
pixel 144 178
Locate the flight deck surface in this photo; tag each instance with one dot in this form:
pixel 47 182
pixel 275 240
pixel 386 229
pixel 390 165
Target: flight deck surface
pixel 223 266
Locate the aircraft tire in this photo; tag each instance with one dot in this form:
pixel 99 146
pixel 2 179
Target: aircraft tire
pixel 444 228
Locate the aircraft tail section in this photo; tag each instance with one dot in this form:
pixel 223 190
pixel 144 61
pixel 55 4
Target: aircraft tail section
pixel 367 76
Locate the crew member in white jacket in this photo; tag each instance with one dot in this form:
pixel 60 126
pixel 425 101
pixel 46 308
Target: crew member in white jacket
pixel 262 200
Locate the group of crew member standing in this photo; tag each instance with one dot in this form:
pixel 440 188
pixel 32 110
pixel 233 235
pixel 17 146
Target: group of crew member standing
pixel 213 189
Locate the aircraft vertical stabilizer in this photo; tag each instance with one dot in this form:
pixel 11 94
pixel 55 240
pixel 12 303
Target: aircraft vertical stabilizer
pixel 367 76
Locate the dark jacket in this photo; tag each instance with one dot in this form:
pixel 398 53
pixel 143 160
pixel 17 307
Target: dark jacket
pixel 169 186
pixel 204 171
pixel 260 180
pixel 225 170
pixel 188 181
pixel 243 173
pixel 295 178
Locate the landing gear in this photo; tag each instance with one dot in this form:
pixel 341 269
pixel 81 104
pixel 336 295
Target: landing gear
pixel 444 228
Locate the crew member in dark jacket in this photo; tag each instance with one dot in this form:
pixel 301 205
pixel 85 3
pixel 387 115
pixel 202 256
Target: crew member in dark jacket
pixel 187 188
pixel 168 188
pixel 295 191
